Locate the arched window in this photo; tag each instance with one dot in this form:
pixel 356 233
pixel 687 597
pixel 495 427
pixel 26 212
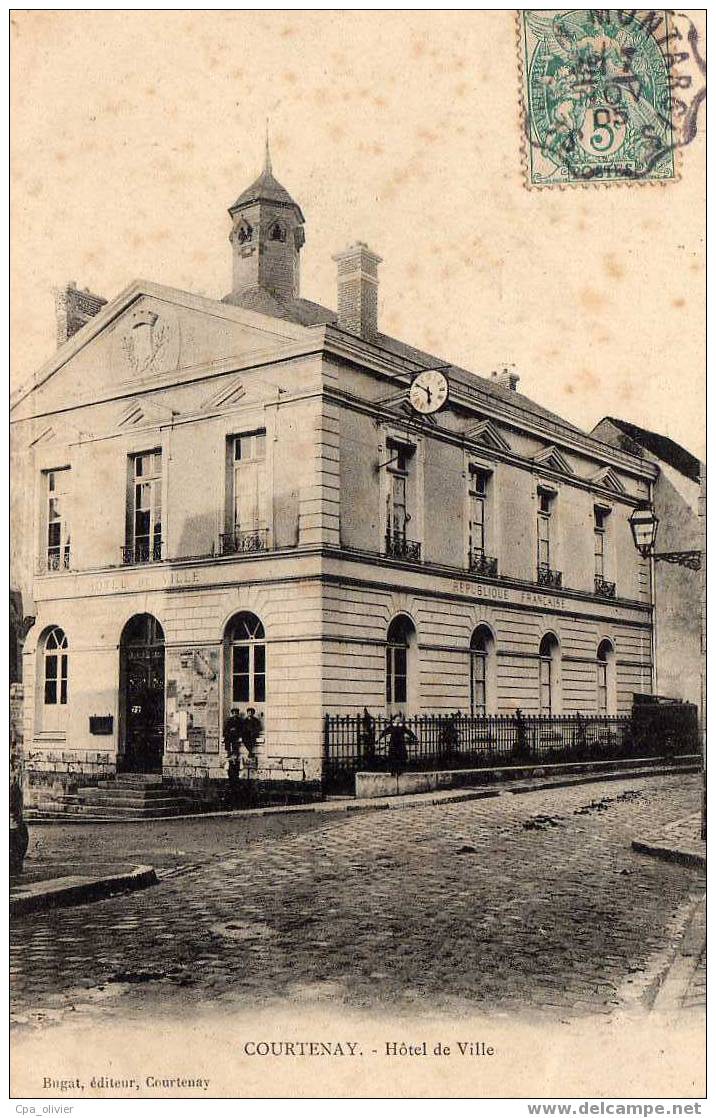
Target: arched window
pixel 548 674
pixel 605 688
pixel 55 668
pixel 277 232
pixel 401 635
pixel 482 646
pixel 247 659
pixel 244 232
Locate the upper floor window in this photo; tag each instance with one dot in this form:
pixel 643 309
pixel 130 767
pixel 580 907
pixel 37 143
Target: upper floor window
pixel 398 497
pixel 58 528
pixel 546 506
pixel 145 511
pixel 479 522
pixel 600 527
pixel 277 232
pixel 248 497
pixel 478 511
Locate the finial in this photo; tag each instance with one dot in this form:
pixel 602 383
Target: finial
pixel 267 163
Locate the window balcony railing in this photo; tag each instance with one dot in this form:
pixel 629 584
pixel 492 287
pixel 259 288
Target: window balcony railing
pixel 603 588
pixel 56 559
pixel 398 547
pixel 481 564
pixel 142 551
pixel 547 577
pixel 239 543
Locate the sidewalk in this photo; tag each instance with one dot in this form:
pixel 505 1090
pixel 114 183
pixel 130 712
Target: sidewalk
pixel 51 885
pixel 679 842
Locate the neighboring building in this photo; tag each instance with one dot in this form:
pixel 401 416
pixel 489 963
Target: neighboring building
pixel 233 502
pixel 677 590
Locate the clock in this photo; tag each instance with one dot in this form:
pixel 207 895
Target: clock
pixel 428 391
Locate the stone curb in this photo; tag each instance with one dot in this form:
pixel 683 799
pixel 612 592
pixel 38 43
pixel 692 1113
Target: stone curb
pixel 672 983
pixel 62 891
pixel 393 803
pixel 657 849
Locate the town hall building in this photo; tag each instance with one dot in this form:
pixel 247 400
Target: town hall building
pixel 259 502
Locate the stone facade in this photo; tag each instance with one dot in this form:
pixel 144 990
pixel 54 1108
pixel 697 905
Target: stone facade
pixel 292 615
pixel 678 591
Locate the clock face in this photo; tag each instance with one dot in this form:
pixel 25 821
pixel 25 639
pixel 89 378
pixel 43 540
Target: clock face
pixel 429 391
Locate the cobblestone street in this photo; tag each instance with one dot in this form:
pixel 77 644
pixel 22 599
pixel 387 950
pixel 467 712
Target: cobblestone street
pixel 533 903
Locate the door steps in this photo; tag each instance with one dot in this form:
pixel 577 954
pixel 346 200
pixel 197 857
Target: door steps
pixel 124 796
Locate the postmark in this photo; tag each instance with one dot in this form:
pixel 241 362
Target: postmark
pixel 608 95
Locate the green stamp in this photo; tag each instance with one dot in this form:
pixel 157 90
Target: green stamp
pixel 597 96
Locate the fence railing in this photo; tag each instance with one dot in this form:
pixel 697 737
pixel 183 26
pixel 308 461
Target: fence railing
pixel 238 543
pixel 364 742
pixel 143 551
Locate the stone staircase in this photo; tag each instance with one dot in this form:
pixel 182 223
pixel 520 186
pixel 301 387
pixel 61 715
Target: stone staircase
pixel 125 796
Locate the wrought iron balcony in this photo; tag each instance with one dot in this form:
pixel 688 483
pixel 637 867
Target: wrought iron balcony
pixel 56 559
pixel 547 577
pixel 398 547
pixel 239 543
pixel 481 564
pixel 603 588
pixel 142 552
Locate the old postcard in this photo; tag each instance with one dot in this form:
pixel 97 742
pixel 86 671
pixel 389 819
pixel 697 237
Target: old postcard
pixel 357 600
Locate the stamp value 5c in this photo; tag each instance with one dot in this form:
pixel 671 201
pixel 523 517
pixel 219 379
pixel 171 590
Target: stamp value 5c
pixel 597 89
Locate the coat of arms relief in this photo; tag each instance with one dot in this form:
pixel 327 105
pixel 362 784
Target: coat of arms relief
pixel 148 341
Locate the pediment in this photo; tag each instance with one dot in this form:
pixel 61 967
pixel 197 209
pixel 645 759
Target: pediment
pixel 145 413
pixel 607 479
pixel 552 459
pixel 148 336
pixel 399 405
pixel 67 434
pixel 487 433
pixel 48 435
pixel 230 393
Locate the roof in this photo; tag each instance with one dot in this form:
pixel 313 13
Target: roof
pixel 661 446
pixel 266 188
pixel 304 312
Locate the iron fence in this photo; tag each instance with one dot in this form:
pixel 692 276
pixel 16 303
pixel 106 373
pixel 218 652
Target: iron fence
pixel 364 742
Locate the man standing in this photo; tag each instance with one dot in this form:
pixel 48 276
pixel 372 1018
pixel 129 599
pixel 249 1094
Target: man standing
pixel 233 734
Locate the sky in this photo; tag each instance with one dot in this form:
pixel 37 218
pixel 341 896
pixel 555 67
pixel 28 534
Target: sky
pixel 133 131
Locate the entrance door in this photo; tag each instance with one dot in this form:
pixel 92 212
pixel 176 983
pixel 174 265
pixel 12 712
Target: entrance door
pixel 142 684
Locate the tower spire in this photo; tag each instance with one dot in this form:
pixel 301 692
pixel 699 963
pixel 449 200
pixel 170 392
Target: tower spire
pixel 267 160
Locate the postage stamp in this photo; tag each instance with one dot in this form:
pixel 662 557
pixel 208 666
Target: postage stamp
pixel 599 91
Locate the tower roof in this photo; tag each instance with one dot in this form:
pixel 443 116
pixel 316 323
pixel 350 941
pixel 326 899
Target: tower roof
pixel 266 188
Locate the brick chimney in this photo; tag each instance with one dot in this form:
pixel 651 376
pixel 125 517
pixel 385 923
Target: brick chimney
pixel 506 378
pixel 358 290
pixel 73 308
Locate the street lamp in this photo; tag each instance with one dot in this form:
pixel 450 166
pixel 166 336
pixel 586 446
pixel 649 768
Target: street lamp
pixel 644 524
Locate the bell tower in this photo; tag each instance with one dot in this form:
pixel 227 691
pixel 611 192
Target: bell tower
pixel 266 237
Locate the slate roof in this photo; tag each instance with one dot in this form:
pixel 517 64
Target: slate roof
pixel 306 313
pixel 266 188
pixel 662 447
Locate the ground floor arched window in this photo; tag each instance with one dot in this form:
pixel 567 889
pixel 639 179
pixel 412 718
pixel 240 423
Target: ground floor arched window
pixel 606 690
pixel 53 671
pixel 482 648
pixel 399 643
pixel 549 675
pixel 246 656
